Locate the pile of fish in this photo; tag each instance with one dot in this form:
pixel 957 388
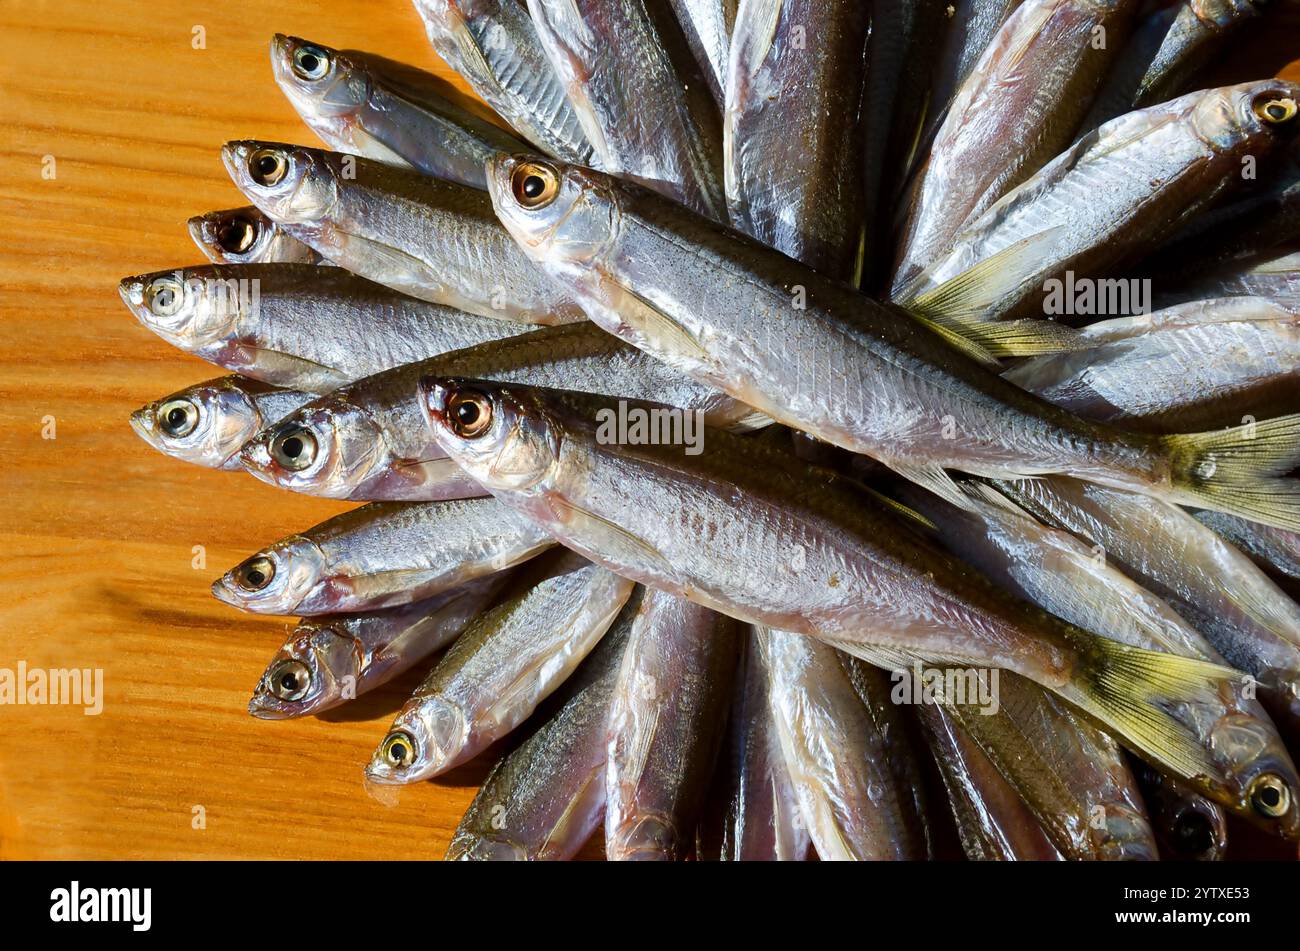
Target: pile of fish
pixel 789 428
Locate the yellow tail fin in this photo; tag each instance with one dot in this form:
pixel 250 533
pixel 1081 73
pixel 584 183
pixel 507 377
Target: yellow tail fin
pixel 1239 471
pixel 1129 690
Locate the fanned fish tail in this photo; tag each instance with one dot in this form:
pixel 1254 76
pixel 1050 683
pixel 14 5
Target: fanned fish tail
pixel 960 309
pixel 1130 690
pixel 1240 471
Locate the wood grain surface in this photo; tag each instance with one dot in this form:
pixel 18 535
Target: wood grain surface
pixel 97 531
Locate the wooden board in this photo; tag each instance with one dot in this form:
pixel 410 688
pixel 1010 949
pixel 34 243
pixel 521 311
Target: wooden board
pixel 98 532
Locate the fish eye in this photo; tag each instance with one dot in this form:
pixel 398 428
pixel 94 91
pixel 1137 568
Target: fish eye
pixel 290 680
pixel 267 167
pixel 470 413
pixel 398 750
pixel 1270 796
pixel 256 573
pixel 237 235
pixel 1275 111
pixel 177 418
pixel 311 62
pixel 535 185
pixel 1193 833
pixel 295 449
pixel 164 296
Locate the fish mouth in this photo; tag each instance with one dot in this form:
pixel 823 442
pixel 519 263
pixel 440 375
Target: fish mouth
pixel 201 231
pixel 281 47
pixel 222 591
pixel 434 394
pixel 255 457
pixel 269 708
pixel 142 422
pixel 131 290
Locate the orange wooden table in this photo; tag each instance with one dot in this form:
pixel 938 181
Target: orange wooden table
pixel 97 531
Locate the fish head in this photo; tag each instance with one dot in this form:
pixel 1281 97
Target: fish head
pixel 277 580
pixel 190 307
pixel 425 737
pixel 236 236
pixel 308 673
pixel 205 424
pixel 1264 785
pixel 324 85
pixel 328 447
pixel 1256 112
pixel 561 215
pixel 501 435
pixel 290 183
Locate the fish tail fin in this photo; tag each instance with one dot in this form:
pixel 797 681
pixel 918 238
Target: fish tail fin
pixel 1129 690
pixel 1240 471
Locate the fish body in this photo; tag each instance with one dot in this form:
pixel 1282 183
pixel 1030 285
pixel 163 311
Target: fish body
pixel 368 441
pixel 799 193
pixel 758 535
pixel 1144 175
pixel 369 106
pixel 811 353
pixel 708 25
pixel 1273 274
pixel 762 821
pixel 545 798
pixel 428 238
pixel 1063 575
pixel 493 45
pixel 1199 365
pixel 507 661
pixel 852 802
pixel 327 661
pixel 381 556
pixel 666 722
pixel 1018 108
pixel 1073 777
pixel 895 99
pixel 1201 28
pixel 971 26
pixel 1208 582
pixel 993 821
pixel 296 325
pixel 208 423
pixel 638 94
pixel 1273 549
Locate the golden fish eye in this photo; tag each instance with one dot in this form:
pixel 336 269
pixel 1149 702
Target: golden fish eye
pixel 290 680
pixel 177 418
pixel 311 62
pixel 295 449
pixel 1270 796
pixel 256 573
pixel 398 750
pixel 535 185
pixel 237 235
pixel 469 413
pixel 267 167
pixel 165 296
pixel 1276 111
